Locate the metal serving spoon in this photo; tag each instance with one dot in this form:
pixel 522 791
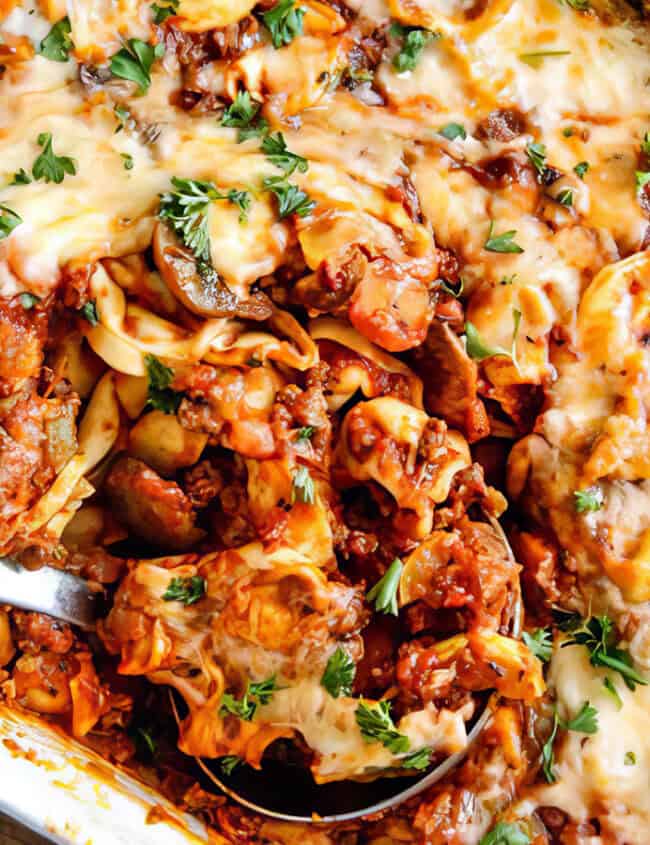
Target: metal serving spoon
pixel 277 790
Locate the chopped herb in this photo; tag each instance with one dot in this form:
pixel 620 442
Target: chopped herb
pixel 29 300
pixel 540 642
pixel 536 58
pixel 505 833
pixel 630 758
pixel 339 673
pixel 589 500
pixel 508 280
pixel 479 350
pixel 565 197
pixel 305 433
pixel 578 5
pixel 548 758
pixel 48 166
pixel 598 636
pixel 642 178
pixel 501 243
pixel 123 116
pixel 284 22
pixel 586 721
pixel 581 169
pixel 610 689
pixel 418 760
pixel 537 155
pixel 161 11
pixel 414 40
pixel 376 725
pixel 186 590
pixel 263 690
pixel 568 131
pixel 256 695
pixel 447 289
pixel 302 489
pixel 242 199
pixel 291 200
pixel 160 394
pixel 58 42
pixel 127 160
pixel 230 763
pixel 89 312
pixel 242 114
pixel 645 144
pixel 451 131
pixel 275 148
pixel 21 177
pixel 134 61
pixel 566 620
pixel 384 593
pixel 146 739
pixel 8 221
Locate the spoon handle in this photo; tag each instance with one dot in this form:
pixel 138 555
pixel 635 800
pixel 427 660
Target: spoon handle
pixel 47 590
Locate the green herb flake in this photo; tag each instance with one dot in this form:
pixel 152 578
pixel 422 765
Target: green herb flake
pixel 134 62
pixel 598 636
pixel 160 394
pixel 588 500
pixel 161 11
pixel 57 44
pixel 642 178
pixel 577 5
pixel 451 131
pixel 284 22
pixel 263 691
pixel 305 433
pixel 146 739
pixel 127 160
pixel 123 116
pixel 581 169
pixel 548 757
pixel 455 292
pixel 505 833
pixel 585 722
pixel 29 300
pixel 414 40
pixel 229 763
pixel 503 243
pixel 21 177
pixel 645 144
pixel 8 221
pixel 48 166
pixel 291 200
pixel 536 58
pixel 339 673
pixel 242 114
pixel 565 197
pixel 540 642
pixel 479 350
pixel 256 695
pixel 89 312
pixel 302 489
pixel 568 131
pixel 537 156
pixel 186 590
pixel 630 758
pixel 611 690
pixel 418 760
pixel 275 149
pixel 384 593
pixel 375 723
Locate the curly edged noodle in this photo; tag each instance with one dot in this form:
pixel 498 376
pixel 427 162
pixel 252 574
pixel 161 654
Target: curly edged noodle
pixel 264 614
pixel 97 434
pixel 594 438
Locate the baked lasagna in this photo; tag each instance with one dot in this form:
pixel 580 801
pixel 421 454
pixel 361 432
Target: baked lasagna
pixel 325 359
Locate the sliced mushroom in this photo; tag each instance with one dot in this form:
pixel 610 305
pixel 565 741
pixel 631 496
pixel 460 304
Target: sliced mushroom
pixel 198 286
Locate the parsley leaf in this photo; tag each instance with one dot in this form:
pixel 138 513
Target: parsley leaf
pixel 479 350
pixel 581 169
pixel 275 148
pixel 127 160
pixel 134 61
pixel 384 593
pixel 537 155
pixel 610 689
pixel 160 395
pixel 339 673
pixel 503 242
pixel 89 312
pixel 284 22
pixel 588 500
pixel 242 114
pixel 123 116
pixel 302 489
pixel 578 5
pixel 8 221
pixel 186 590
pixel 376 725
pixel 548 758
pixel 630 758
pixel 505 833
pixel 291 200
pixel 418 760
pixel 256 695
pixel 29 300
pixel 565 197
pixel 540 642
pixel 536 58
pixel 21 177
pixel 598 636
pixel 229 763
pixel 566 620
pixel 263 690
pixel 57 43
pixel 146 740
pixel 586 721
pixel 48 166
pixel 160 12
pixel 451 131
pixel 645 144
pixel 642 178
pixel 414 41
pixel 305 433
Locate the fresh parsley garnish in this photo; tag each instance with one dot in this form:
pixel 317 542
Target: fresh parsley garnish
pixel 305 433
pixel 8 221
pixel 630 758
pixel 536 58
pixel 540 642
pixel 384 593
pixel 146 740
pixel 58 42
pixel 642 178
pixel 159 394
pixel 501 243
pixel 291 200
pixel 243 114
pixel 537 155
pixel 479 350
pixel 123 116
pixel 89 312
pixel 275 148
pixel 578 5
pixel 565 197
pixel 568 131
pixel 48 166
pixel 127 160
pixel 589 500
pixel 134 61
pixel 585 722
pixel 230 763
pixel 284 22
pixel 376 725
pixel 414 40
pixel 256 695
pixel 161 11
pixel 611 690
pixel 645 144
pixel 581 168
pixel 505 833
pixel 598 636
pixel 302 488
pixel 418 760
pixel 29 300
pixel 548 757
pixel 451 131
pixel 21 177
pixel 339 673
pixel 186 590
